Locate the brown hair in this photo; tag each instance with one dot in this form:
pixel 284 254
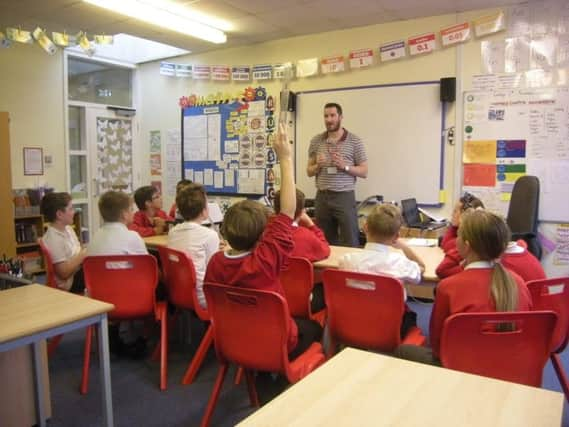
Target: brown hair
pixel 299 202
pixel 243 224
pixel 191 201
pixel 384 221
pixel 335 105
pixel 470 201
pixel 181 184
pixel 52 203
pixel 112 204
pixel 143 195
pixel 488 236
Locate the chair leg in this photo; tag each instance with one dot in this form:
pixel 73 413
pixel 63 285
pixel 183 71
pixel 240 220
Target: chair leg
pixel 238 375
pixel 164 351
pixel 214 395
pixel 558 366
pixel 86 360
pixel 52 344
pixel 253 396
pixel 198 358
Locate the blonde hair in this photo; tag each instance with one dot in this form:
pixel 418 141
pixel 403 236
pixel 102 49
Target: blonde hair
pixel 384 221
pixel 488 236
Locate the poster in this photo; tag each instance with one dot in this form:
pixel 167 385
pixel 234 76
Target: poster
pixel 155 164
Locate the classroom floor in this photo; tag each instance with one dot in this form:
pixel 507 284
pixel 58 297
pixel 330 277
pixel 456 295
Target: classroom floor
pixel 137 400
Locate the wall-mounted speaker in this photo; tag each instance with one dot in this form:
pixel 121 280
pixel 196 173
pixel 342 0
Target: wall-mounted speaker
pixel 448 89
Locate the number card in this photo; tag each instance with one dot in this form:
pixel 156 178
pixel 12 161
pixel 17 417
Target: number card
pixel 455 34
pixel 424 43
pixel 361 58
pixel 332 64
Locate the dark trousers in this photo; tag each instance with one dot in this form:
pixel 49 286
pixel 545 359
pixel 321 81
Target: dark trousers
pixel 78 285
pixel 309 331
pixel 336 216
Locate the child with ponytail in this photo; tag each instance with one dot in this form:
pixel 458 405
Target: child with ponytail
pixel 483 286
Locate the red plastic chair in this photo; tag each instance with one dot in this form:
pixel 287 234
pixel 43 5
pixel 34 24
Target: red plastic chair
pixel 553 294
pixel 471 342
pixel 297 281
pixel 179 276
pixel 129 282
pixel 366 310
pixel 250 329
pixel 51 282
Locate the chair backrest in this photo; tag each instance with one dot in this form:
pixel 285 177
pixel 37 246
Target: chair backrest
pixel 250 326
pixel 179 275
pixel 524 205
pixel 127 281
pixel 553 294
pixel 474 343
pixel 48 264
pixel 364 310
pixel 297 281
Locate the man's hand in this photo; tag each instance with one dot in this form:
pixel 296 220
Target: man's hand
pixel 338 161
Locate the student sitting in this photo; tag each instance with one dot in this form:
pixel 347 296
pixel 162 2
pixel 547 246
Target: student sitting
pixel 150 220
pixel 173 209
pixel 114 238
pixel 259 250
pixel 198 241
pixel 452 262
pixel 483 286
pixel 382 233
pixel 62 243
pixel 518 259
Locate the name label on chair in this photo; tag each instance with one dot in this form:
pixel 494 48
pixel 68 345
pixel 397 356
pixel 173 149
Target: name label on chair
pixel 556 289
pixel 360 284
pixel 173 257
pixel 118 265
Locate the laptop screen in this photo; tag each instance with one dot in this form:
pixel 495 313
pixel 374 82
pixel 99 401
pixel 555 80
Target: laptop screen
pixel 410 211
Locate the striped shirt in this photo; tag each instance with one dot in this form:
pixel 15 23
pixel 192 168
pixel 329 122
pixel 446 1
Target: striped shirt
pixel 352 150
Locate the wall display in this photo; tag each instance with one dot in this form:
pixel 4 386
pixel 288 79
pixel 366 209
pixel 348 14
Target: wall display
pixel 33 161
pixel 510 133
pixel 226 146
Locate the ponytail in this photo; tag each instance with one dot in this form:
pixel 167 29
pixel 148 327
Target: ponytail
pixel 504 289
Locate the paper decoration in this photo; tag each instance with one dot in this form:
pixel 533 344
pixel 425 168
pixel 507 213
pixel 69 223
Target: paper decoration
pixel 361 58
pixel 201 72
pixel 103 39
pixel 220 72
pixel 44 41
pixel 263 72
pixel 167 69
pixel 493 55
pixel 455 34
pixel 479 175
pixel 184 70
pixel 4 42
pixel 392 50
pixel 489 24
pixel 61 39
pixel 332 64
pixel 241 73
pixel 424 43
pixel 307 67
pixel 84 43
pixel 20 36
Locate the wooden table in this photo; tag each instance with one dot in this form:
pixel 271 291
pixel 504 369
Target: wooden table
pixel 31 314
pixel 153 242
pixel 359 388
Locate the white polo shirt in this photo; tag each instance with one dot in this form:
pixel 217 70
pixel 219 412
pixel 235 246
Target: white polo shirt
pixel 62 245
pixel 200 243
pixel 114 238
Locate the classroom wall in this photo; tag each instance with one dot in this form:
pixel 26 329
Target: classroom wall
pixel 31 91
pixel 159 104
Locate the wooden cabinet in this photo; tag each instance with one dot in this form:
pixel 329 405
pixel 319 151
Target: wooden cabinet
pixel 7 232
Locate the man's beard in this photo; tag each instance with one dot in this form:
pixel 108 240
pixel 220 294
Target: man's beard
pixel 332 127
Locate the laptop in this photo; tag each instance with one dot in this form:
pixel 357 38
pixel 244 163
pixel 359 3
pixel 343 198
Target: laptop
pixel 412 216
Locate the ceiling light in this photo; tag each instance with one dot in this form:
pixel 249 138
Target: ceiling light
pixel 164 15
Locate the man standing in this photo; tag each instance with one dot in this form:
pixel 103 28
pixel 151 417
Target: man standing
pixel 337 157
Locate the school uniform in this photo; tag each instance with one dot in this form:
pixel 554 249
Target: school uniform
pixel 309 243
pixel 519 260
pixel 143 225
pixel 114 238
pixel 452 261
pixel 62 246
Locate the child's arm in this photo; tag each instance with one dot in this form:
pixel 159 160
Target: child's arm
pixel 67 268
pixel 409 253
pixel 288 190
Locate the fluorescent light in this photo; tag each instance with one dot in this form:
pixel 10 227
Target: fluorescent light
pixel 155 14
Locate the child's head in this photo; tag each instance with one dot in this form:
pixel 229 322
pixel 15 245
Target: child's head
pixel 116 206
pixel 484 233
pixel 192 202
pixel 147 197
pixel 57 207
pixel 181 184
pixel 243 224
pixel 466 202
pixel 383 223
pixel 299 203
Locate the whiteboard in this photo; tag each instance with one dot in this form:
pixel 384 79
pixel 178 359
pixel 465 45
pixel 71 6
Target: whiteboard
pixel 535 119
pixel 400 126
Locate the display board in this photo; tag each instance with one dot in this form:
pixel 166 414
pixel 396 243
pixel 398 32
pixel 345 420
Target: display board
pixel 514 132
pixel 400 126
pixel 227 146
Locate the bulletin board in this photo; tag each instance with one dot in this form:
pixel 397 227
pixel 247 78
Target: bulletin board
pixel 514 132
pixel 227 147
pixel 400 126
